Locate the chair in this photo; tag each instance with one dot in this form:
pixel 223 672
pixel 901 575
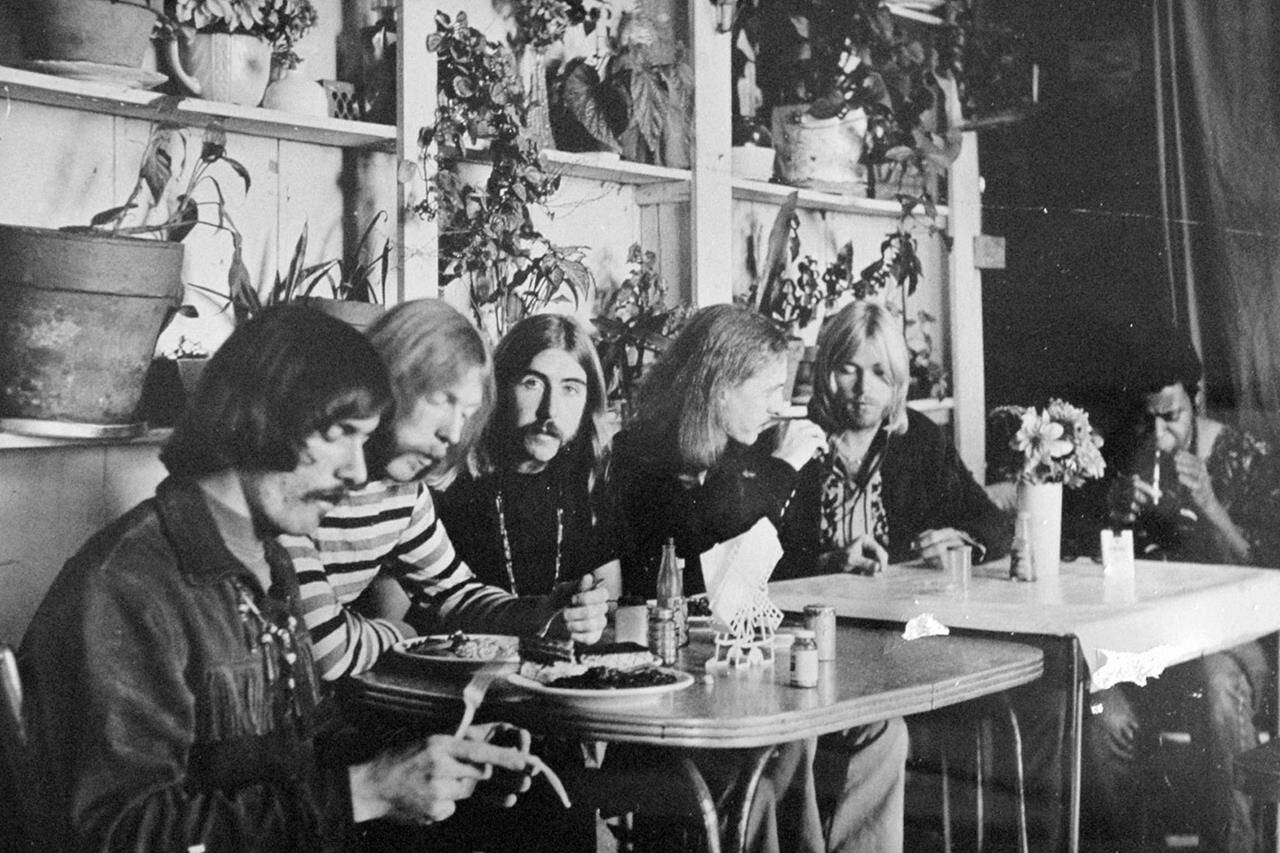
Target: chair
pixel 978 722
pixel 17 825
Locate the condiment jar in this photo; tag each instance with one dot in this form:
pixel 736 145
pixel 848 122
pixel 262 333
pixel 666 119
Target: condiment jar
pixel 804 659
pixel 662 635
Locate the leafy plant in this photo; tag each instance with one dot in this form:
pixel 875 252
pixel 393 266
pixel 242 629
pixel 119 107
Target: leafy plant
pixel 637 100
pixel 896 63
pixel 281 22
pixel 540 24
pixel 152 210
pixel 486 234
pixel 633 321
pixel 928 376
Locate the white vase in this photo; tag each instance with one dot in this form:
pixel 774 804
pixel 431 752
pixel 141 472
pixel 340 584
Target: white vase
pixel 1042 502
pixel 291 91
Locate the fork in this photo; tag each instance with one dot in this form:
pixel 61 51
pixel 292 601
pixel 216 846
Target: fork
pixel 473 694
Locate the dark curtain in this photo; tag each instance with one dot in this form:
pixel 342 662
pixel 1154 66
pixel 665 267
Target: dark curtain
pixel 1230 60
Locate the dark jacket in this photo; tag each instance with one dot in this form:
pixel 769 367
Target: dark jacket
pixel 654 503
pixel 159 717
pixel 926 487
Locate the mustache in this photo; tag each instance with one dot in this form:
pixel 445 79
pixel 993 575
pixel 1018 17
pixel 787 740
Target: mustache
pixel 547 428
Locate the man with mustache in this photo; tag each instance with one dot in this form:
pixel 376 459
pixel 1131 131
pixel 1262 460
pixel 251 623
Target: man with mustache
pixel 171 693
pixel 441 388
pixel 531 510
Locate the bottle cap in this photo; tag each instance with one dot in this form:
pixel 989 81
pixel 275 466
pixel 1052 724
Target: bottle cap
pixel 663 613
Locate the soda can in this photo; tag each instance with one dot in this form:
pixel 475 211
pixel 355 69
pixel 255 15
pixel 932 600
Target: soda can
pixel 821 620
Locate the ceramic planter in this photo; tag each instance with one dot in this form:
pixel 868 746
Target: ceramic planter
pixel 229 67
pixel 79 318
pixel 820 154
pixel 97 31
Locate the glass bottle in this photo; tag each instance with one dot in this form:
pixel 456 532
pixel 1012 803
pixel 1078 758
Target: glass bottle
pixel 670 591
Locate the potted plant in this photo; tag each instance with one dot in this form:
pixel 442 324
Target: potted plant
pixel 637 100
pixel 82 307
pixel 223 49
pixel 539 25
pixel 634 321
pixel 487 235
pixel 111 35
pixel 853 85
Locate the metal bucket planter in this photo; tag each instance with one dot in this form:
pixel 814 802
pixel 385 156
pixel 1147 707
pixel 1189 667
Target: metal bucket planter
pixel 820 154
pixel 79 318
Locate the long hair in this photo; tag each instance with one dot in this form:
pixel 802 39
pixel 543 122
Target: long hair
pixel 428 346
pixel 287 373
pixel 677 408
pixel 858 323
pixel 512 357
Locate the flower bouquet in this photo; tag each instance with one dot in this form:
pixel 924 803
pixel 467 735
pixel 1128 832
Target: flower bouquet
pixel 1055 445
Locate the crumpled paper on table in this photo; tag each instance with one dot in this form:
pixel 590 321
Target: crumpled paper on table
pixel 1116 667
pixel 924 625
pixel 736 575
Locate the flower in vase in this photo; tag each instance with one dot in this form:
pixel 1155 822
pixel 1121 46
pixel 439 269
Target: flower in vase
pixel 1056 444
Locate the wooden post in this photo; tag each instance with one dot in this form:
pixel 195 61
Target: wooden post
pixel 416 237
pixel 964 300
pixel 711 226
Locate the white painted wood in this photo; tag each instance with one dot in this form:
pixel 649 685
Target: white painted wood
pixel 29 87
pixel 417 261
pixel 964 310
pixel 711 229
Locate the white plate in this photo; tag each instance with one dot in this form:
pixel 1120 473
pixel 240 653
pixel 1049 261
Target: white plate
pixel 406 650
pixel 582 694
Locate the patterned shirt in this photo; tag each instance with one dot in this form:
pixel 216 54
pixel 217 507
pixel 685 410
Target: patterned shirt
pixel 849 510
pixel 392 527
pixel 1246 482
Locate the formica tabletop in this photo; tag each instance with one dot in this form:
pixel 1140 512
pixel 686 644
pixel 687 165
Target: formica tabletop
pixel 877 675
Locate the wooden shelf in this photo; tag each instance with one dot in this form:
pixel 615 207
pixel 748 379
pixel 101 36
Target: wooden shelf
pixel 599 166
pixel 771 193
pixel 14 441
pixel 110 99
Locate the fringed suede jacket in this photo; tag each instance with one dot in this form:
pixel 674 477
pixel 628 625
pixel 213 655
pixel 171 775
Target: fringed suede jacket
pixel 172 700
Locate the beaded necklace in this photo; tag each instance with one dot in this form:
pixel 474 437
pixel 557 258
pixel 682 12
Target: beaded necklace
pixel 507 561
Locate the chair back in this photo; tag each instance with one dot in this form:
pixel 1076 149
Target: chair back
pixel 18 826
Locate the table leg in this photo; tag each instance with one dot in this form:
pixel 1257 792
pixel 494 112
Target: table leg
pixel 1076 696
pixel 706 803
pixel 740 797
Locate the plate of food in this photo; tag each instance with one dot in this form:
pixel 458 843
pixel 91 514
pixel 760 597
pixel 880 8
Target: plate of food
pixel 603 684
pixel 605 672
pixel 460 651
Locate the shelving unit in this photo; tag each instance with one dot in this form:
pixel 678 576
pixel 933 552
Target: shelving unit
pixel 73 147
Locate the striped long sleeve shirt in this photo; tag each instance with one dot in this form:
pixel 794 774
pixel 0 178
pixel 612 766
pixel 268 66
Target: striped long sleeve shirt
pixel 391 527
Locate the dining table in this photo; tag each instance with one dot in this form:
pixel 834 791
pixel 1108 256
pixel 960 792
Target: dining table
pixel 876 675
pixel 1096 627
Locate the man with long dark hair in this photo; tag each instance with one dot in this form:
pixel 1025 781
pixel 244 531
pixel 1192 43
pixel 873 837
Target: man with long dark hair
pixel 532 510
pixel 172 695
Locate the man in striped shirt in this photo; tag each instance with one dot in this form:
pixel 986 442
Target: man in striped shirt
pixel 442 388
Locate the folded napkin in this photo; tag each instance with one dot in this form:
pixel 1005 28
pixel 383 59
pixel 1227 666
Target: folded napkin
pixel 736 574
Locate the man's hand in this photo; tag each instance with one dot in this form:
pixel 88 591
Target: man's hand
pixel 423 782
pixel 1193 474
pixel 933 544
pixel 798 442
pixel 1130 498
pixel 583 610
pixel 863 557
